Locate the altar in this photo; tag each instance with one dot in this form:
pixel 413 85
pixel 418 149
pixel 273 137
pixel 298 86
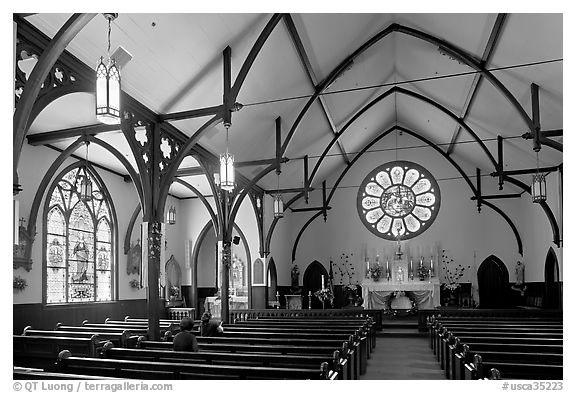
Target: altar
pixel 376 293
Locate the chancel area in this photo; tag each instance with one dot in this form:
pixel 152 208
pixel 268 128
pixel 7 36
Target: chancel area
pixel 288 196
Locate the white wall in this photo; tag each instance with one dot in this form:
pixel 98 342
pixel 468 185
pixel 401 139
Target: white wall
pixel 467 236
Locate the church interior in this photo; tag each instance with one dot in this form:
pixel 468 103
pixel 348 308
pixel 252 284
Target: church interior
pixel 327 186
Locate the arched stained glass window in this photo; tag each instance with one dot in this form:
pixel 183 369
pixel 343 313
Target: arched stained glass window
pixel 398 198
pixel 79 242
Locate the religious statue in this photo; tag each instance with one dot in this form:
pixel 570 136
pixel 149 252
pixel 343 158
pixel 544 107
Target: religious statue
pixel 519 273
pixel 295 273
pixel 400 274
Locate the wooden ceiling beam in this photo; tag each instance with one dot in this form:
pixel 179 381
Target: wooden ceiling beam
pixel 305 60
pixel 45 138
pixel 486 56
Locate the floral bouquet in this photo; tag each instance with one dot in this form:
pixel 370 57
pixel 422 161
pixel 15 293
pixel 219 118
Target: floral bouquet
pixel 19 283
pixel 174 291
pixel 324 294
pixel 452 273
pixel 422 272
pixel 135 284
pixel 376 272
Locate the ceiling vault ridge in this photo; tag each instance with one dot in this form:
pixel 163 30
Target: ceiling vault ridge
pixel 308 69
pixel 489 50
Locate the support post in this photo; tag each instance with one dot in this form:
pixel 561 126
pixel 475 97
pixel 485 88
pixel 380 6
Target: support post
pixel 227 115
pixel 535 90
pixel 500 162
pixel 324 202
pixel 153 293
pixel 306 184
pixel 226 256
pixel 278 144
pixel 479 189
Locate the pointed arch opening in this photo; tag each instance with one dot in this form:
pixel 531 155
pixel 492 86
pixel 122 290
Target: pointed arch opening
pixel 79 240
pixel 493 283
pixel 552 284
pixel 311 282
pixel 272 283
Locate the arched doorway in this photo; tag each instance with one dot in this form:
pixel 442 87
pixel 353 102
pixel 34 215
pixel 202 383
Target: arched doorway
pixel 552 289
pixel 205 270
pixel 493 283
pixel 272 282
pixel 312 282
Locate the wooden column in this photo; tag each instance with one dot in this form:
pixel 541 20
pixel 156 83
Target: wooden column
pixel 152 294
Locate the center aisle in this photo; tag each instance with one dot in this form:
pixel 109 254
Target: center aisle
pixel 408 358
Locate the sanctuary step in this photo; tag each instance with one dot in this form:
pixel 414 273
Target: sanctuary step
pixel 406 326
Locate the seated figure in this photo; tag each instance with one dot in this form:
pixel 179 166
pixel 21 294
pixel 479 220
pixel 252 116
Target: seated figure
pixel 185 340
pixel 209 326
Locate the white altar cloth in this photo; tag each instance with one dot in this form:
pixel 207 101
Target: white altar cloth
pixel 376 293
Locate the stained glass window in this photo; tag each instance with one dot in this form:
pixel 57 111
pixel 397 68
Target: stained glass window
pixel 79 243
pixel 398 198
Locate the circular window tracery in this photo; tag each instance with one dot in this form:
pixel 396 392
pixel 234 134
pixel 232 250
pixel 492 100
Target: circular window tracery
pixel 399 197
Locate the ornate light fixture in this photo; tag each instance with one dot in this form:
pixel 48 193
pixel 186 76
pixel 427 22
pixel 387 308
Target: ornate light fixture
pixel 171 218
pixel 108 85
pixel 278 202
pixel 227 167
pixel 538 185
pixel 85 182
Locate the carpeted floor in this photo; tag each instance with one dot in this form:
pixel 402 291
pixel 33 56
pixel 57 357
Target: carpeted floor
pixel 403 358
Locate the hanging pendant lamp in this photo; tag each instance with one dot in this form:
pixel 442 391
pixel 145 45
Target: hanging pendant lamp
pixel 171 217
pixel 108 85
pixel 227 167
pixel 278 202
pixel 538 185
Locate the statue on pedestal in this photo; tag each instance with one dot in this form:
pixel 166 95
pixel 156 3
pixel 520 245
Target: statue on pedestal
pixel 295 274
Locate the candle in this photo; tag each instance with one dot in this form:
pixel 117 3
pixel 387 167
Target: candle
pixel 277 293
pixel 431 267
pixel 420 262
pixel 322 281
pixel 367 265
pixel 309 293
pixel 387 267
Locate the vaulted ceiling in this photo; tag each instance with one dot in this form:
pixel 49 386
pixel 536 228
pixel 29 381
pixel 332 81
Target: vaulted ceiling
pixel 177 66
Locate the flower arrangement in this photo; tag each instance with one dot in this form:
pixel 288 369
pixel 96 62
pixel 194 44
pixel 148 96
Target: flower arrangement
pixel 422 272
pixel 135 284
pixel 324 294
pixel 452 273
pixel 376 272
pixel 19 283
pixel 174 291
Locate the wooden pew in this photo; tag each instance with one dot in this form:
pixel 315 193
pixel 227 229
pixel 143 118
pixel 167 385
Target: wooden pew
pixel 346 352
pixel 507 370
pixel 128 337
pixel 170 370
pixel 42 351
pixel 21 373
pixel 119 339
pixel 336 362
pixel 460 354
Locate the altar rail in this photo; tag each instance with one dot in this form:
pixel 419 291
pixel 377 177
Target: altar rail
pixel 486 313
pixel 243 315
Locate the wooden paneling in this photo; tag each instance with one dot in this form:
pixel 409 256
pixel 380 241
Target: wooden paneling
pixel 46 317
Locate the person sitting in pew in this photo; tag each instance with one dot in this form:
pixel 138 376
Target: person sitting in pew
pixel 185 340
pixel 210 327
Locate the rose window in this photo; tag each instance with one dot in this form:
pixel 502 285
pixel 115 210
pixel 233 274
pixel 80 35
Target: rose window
pixel 399 198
